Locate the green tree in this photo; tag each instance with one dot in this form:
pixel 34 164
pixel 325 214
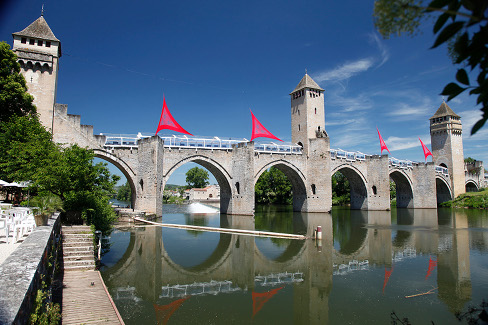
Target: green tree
pixel 340 189
pixel 27 152
pixel 25 148
pixel 124 192
pixel 273 187
pixel 197 177
pixel 14 98
pixel 466 34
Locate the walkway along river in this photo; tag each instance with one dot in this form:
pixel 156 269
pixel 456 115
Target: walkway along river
pixel 363 269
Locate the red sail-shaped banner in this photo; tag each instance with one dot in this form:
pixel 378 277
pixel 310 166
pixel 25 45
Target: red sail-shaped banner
pixel 258 130
pixel 382 143
pixel 387 277
pixel 260 298
pixel 166 121
pixel 432 265
pixel 427 152
pixel 163 313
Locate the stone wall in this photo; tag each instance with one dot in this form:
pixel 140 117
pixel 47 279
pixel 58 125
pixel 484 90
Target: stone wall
pixel 20 273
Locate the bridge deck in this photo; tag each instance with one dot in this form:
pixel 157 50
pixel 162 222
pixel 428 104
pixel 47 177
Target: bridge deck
pixel 84 303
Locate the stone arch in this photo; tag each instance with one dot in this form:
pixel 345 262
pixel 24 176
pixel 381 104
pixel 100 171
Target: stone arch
pixel 404 192
pixel 443 190
pixel 218 171
pixel 123 167
pixel 289 256
pixel 218 257
pixel 296 178
pixel 357 182
pixel 471 186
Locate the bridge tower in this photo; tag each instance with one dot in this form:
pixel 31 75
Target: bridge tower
pixel 447 145
pixel 38 52
pixel 307 112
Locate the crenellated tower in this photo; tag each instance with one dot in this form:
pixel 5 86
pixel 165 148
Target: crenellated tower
pixel 307 112
pixel 446 134
pixel 38 52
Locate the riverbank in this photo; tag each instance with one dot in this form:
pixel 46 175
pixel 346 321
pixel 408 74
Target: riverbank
pixel 474 200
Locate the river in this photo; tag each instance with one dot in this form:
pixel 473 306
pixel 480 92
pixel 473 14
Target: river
pixel 365 267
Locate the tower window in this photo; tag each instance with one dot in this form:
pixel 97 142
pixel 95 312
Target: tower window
pixel 23 40
pixel 32 41
pixel 48 44
pixel 315 110
pixel 298 127
pixel 39 43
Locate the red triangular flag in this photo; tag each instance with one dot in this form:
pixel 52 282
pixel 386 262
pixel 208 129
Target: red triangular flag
pixel 387 277
pixel 260 298
pixel 163 313
pixel 258 130
pixel 166 121
pixel 427 152
pixel 432 265
pixel 382 143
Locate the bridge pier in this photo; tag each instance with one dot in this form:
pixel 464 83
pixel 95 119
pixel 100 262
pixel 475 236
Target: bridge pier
pixel 378 185
pixel 149 187
pixel 423 183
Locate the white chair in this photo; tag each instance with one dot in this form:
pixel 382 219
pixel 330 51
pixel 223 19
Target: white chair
pixel 4 225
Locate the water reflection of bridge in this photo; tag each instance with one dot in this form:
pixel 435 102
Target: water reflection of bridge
pixel 237 263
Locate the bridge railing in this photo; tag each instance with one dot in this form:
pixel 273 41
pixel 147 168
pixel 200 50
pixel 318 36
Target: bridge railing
pixel 347 155
pixel 403 164
pixel 215 143
pixel 442 170
pixel 278 148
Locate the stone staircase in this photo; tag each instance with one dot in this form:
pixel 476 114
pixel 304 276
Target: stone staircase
pixel 78 248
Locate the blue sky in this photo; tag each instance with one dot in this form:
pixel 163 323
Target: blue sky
pixel 215 60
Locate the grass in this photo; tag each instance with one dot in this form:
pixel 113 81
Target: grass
pixel 476 200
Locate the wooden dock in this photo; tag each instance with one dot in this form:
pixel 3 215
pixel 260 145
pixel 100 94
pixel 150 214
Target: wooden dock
pixel 86 299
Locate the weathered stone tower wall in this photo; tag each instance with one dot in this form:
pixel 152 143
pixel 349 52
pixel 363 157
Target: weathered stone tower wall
pixel 149 187
pixel 38 52
pixel 378 186
pixel 307 112
pixel 447 145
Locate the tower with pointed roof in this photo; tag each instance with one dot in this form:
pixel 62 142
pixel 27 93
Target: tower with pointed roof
pixel 38 52
pixel 307 112
pixel 446 134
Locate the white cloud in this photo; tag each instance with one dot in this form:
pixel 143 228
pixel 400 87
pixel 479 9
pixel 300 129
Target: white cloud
pixel 400 143
pixel 345 71
pixel 385 54
pixel 412 111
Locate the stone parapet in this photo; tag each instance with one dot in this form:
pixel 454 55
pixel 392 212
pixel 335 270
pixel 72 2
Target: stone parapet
pixel 21 273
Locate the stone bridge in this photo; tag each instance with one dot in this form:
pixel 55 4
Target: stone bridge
pixel 148 164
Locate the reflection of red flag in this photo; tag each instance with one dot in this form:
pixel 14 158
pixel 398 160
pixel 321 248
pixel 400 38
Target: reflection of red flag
pixel 382 143
pixel 163 313
pixel 387 277
pixel 258 130
pixel 432 265
pixel 166 121
pixel 260 298
pixel 427 152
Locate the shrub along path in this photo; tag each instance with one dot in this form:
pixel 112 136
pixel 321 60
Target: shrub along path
pixel 85 297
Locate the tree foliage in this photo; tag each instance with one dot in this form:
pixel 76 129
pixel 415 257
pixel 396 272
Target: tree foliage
pixel 273 187
pixel 26 147
pixel 340 190
pixel 197 177
pixel 27 153
pixel 14 98
pixel 462 24
pixel 124 192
